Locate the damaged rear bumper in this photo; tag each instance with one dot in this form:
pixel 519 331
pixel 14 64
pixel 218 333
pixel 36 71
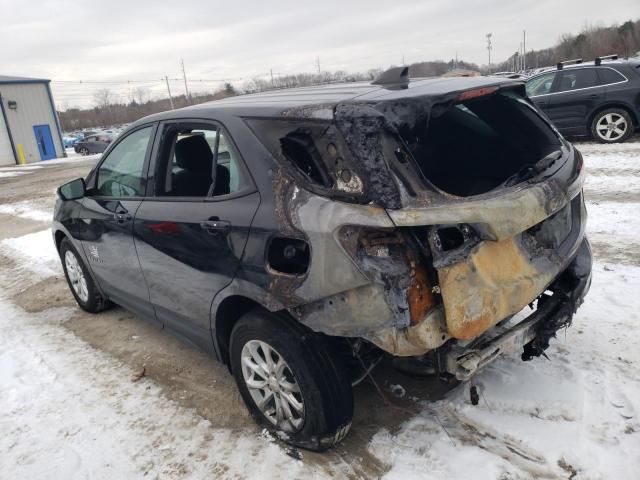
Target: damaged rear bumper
pixel 554 310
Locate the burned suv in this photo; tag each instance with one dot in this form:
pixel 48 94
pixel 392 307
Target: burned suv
pixel 299 235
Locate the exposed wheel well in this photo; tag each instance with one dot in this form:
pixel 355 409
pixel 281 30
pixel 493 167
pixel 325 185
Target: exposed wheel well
pixel 228 313
pixel 630 111
pixel 59 235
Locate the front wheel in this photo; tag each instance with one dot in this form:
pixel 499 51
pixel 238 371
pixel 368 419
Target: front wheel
pixel 612 125
pixel 84 151
pixel 80 282
pixel 291 381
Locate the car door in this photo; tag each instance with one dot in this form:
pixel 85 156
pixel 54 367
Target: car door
pixel 90 143
pixel 102 143
pixel 115 191
pixel 539 88
pixel 577 93
pixel 191 232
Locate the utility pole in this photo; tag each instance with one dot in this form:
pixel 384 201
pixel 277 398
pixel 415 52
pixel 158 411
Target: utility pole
pixel 524 50
pixel 272 85
pixel 520 57
pixel 318 63
pixel 184 75
pixel 489 48
pixel 166 79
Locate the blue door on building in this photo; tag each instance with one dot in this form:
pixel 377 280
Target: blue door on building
pixel 45 142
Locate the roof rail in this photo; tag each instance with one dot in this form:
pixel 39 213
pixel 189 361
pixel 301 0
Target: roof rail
pixel 561 65
pixel 395 77
pixel 598 60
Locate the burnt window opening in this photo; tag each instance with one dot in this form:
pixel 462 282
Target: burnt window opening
pixel 299 148
pixel 475 146
pixel 449 238
pixel 288 255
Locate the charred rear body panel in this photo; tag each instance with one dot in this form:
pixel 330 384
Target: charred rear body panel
pixel 378 266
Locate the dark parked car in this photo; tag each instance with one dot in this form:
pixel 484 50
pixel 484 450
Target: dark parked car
pixel 600 98
pixel 301 235
pixel 92 144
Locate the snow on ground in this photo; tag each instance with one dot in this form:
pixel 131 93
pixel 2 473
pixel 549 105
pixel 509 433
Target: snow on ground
pixel 72 156
pixel 20 168
pixel 613 184
pixel 608 219
pixel 71 411
pixel 31 210
pixel 577 411
pixel 35 251
pixel 11 173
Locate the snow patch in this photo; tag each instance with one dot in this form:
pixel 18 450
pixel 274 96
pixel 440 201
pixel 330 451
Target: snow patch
pixel 11 174
pixel 30 210
pixel 35 252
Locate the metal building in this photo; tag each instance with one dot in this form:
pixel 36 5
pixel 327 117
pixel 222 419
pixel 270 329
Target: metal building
pixel 29 125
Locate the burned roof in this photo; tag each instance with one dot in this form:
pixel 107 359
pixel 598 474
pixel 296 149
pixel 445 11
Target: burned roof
pixel 276 102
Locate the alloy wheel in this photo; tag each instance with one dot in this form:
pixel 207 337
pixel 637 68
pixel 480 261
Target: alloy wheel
pixel 272 386
pixel 76 276
pixel 611 127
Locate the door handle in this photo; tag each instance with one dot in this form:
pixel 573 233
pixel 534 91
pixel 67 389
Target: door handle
pixel 122 217
pixel 214 226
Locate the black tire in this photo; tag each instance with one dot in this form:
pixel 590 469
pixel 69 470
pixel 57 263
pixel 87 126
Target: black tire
pixel 600 131
pixel 324 385
pixel 94 301
pixel 84 151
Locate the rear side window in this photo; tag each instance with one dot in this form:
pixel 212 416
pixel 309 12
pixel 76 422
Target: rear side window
pixel 540 85
pixel 198 162
pixel 578 78
pixel 608 76
pixel 121 173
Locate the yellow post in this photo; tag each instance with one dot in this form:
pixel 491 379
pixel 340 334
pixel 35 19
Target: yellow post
pixel 21 158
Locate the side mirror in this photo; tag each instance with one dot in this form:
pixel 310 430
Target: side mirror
pixel 73 190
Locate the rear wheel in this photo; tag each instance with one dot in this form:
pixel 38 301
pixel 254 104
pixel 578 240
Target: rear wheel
pixel 291 381
pixel 612 126
pixel 84 151
pixel 79 280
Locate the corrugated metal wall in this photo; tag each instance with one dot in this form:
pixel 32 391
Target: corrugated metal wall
pixel 6 152
pixel 34 108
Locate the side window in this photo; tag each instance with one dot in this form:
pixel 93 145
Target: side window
pixel 540 85
pixel 187 160
pixel 578 78
pixel 120 175
pixel 228 159
pixel 609 75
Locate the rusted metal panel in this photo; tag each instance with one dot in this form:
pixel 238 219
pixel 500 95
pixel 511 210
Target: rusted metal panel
pixel 494 282
pixel 419 294
pixel 430 333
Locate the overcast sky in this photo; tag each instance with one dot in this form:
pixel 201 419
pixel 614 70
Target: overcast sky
pixel 114 40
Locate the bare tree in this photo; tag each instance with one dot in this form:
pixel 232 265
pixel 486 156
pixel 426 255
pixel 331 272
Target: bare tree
pixel 141 95
pixel 102 98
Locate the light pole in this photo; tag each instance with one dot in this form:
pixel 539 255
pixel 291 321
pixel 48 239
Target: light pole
pixel 489 47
